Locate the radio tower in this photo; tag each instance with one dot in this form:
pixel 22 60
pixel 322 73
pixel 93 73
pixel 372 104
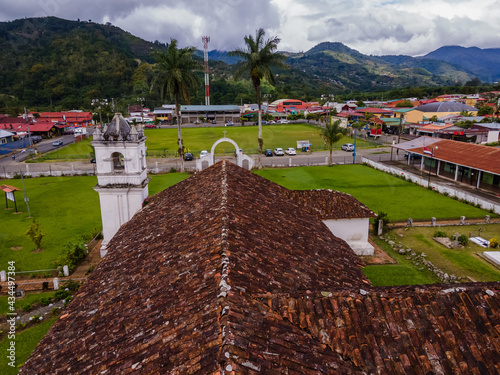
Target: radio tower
pixel 206 39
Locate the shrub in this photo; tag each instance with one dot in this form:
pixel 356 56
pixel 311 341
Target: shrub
pixel 45 301
pixel 463 240
pixel 75 253
pixel 35 318
pixel 54 311
pixel 62 294
pixel 173 170
pixel 27 307
pixel 446 194
pixel 494 243
pixel 72 285
pixel 380 216
pixel 440 233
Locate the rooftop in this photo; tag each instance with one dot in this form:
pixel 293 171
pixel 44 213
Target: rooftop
pixel 224 277
pixel 445 107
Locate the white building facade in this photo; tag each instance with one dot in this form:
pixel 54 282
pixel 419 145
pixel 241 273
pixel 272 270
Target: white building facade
pixel 122 181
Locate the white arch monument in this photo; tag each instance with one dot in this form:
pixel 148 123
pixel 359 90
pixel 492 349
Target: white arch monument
pixel 242 160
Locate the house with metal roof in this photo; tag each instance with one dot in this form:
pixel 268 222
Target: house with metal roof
pixel 438 109
pixel 219 113
pixel 218 274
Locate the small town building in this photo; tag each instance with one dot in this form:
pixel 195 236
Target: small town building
pixel 468 163
pixel 438 109
pixel 191 114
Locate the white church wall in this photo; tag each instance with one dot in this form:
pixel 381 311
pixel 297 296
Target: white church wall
pixel 354 232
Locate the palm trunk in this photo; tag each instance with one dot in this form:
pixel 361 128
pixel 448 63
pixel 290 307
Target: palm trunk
pixel 261 141
pixel 331 155
pixel 179 134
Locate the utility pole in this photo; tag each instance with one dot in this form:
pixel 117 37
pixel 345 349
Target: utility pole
pixel 205 40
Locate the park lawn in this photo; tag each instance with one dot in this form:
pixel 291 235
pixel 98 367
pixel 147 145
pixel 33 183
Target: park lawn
pixel 67 208
pixel 377 190
pixel 26 341
pixel 28 300
pixel 460 262
pixel 164 141
pixel 402 273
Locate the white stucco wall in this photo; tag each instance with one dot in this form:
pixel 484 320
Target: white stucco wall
pixel 118 205
pixel 354 232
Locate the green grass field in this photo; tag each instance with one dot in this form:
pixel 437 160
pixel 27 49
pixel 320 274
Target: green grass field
pixel 26 341
pixel 29 299
pixel 402 273
pixel 377 190
pixel 67 208
pixel 161 141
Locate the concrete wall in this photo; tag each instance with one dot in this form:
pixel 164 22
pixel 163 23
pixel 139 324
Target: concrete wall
pixel 354 232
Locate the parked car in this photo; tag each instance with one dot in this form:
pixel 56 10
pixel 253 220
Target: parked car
pixel 283 121
pixel 272 122
pixel 269 152
pixel 203 153
pixel 92 160
pixel 413 156
pixel 279 152
pixel 348 147
pixel 229 123
pixel 57 143
pixel 291 151
pixel 36 138
pixel 188 156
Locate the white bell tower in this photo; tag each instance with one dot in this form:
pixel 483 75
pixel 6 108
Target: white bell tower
pixel 122 181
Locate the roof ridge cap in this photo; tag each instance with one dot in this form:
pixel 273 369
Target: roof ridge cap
pixel 224 287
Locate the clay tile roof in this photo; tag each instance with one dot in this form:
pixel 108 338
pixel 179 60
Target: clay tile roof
pixel 328 204
pixel 176 290
pixel 219 275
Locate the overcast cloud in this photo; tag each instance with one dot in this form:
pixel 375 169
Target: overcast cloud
pixel 412 27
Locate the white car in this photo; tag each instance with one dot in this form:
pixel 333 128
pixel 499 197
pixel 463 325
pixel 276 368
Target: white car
pixel 291 151
pixel 203 153
pixel 279 152
pixel 283 121
pixel 348 147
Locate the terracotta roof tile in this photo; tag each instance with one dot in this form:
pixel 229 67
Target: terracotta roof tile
pixel 217 275
pixel 328 204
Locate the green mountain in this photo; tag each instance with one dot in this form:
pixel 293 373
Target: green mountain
pixel 485 63
pixel 48 61
pixel 346 67
pixel 51 63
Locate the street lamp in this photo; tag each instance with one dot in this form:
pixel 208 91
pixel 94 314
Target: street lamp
pixel 142 114
pixel 99 103
pixel 328 98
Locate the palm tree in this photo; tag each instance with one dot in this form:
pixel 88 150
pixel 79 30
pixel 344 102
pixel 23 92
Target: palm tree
pixel 176 77
pixel 259 57
pixel 333 133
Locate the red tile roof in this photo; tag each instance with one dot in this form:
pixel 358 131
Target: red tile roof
pixel 328 204
pixel 40 126
pixel 470 155
pixel 220 275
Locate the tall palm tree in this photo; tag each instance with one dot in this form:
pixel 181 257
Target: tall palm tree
pixel 332 133
pixel 259 57
pixel 176 77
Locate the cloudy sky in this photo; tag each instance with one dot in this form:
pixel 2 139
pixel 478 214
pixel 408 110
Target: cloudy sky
pixel 378 27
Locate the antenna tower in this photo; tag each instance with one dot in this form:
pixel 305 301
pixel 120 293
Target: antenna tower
pixel 206 39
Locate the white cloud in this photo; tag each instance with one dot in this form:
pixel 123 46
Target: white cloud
pixel 370 26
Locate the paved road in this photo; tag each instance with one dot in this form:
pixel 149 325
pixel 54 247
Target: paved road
pixel 44 146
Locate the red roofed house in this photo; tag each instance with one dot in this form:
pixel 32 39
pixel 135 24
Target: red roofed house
pixel 219 274
pixel 72 118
